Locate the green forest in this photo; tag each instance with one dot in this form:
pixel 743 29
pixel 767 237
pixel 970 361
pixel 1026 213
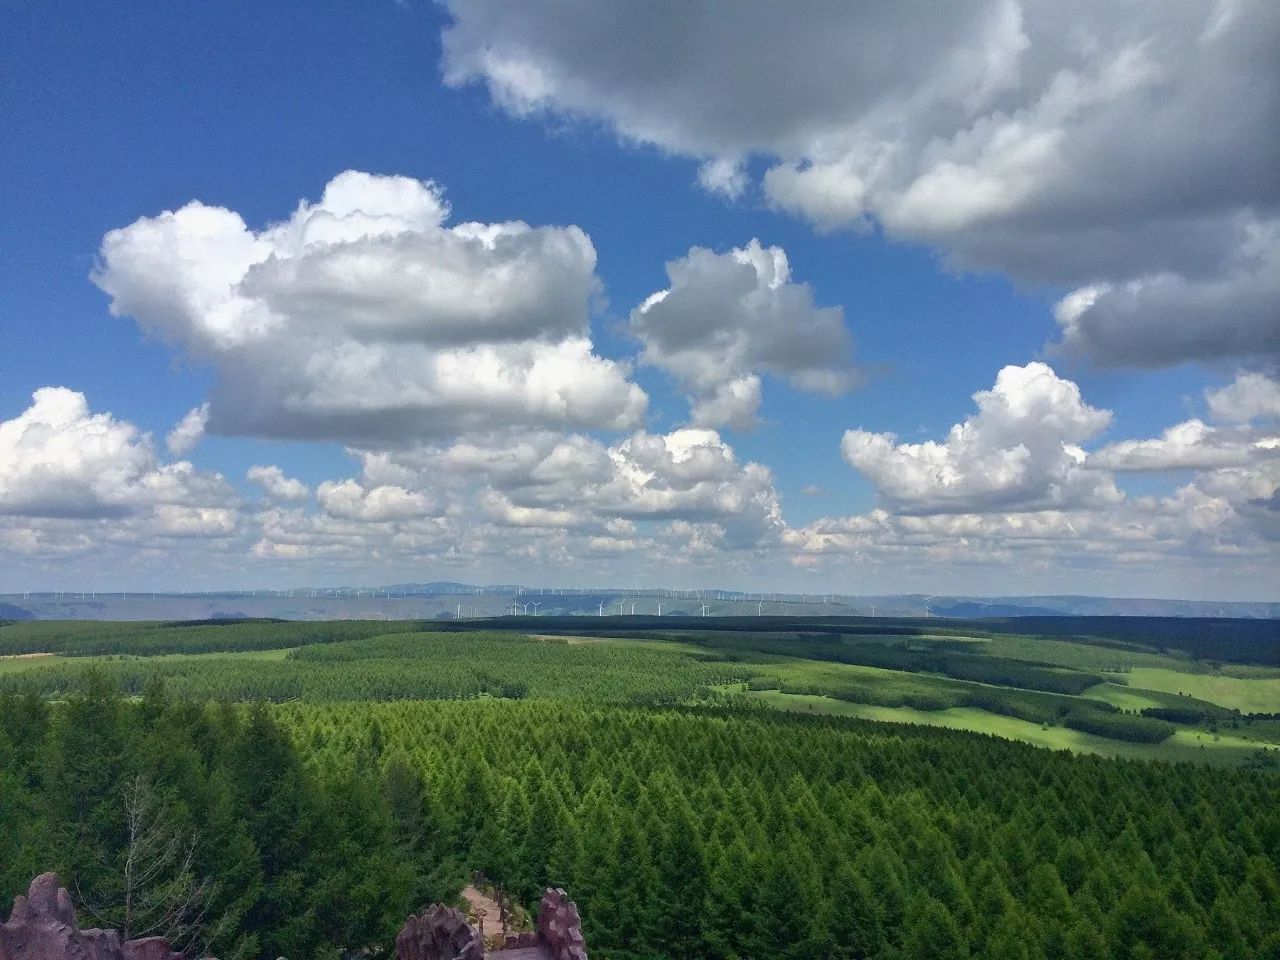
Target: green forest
pixel 299 789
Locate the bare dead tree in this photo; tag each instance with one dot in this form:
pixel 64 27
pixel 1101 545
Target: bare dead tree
pixel 158 893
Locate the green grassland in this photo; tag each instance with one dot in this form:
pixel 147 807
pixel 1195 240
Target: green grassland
pixel 1185 745
pixel 1246 694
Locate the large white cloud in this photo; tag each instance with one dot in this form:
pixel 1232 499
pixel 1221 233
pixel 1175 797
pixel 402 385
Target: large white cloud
pixel 59 459
pixel 1081 145
pixel 727 317
pixel 1020 451
pixel 364 318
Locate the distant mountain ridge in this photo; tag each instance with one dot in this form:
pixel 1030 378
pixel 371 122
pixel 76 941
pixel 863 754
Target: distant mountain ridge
pixel 442 600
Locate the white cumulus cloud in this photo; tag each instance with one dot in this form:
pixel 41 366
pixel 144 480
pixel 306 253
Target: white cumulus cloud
pixel 1251 396
pixel 59 459
pixel 363 317
pixel 727 317
pixel 1020 451
pixel 276 485
pixel 351 501
pixel 189 431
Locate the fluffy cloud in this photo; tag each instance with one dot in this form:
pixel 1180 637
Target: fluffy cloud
pixel 1251 396
pixel 349 500
pixel 728 316
pixel 1013 488
pixel 556 501
pixel 84 499
pixel 576 482
pixel 1020 451
pixel 1191 445
pixel 189 431
pixel 1196 445
pixel 58 459
pixel 276 485
pixel 364 317
pixel 1086 147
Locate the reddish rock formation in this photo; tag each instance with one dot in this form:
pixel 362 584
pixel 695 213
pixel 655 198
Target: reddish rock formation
pixel 439 933
pixel 43 926
pixel 442 933
pixel 560 927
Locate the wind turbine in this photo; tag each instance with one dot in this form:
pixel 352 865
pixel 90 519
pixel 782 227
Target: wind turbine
pixel 602 608
pixel 659 608
pixel 633 608
pixel 760 608
pixel 926 606
pixel 535 607
pixel 704 609
pixel 620 610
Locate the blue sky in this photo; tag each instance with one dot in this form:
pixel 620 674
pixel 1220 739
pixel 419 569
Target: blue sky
pixel 254 108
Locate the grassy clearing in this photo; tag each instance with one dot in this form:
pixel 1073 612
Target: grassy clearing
pixel 23 661
pixel 28 662
pixel 1082 656
pixel 1187 745
pixel 663 646
pixel 1135 698
pixel 1248 695
pixel 1127 698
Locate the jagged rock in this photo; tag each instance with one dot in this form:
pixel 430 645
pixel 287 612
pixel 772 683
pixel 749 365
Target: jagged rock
pixel 442 933
pixel 43 926
pixel 560 927
pixel 439 933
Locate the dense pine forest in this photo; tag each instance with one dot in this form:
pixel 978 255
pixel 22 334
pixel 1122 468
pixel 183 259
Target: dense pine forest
pixel 307 812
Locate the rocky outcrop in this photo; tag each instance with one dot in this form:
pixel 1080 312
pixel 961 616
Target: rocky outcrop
pixel 442 933
pixel 43 926
pixel 439 933
pixel 560 927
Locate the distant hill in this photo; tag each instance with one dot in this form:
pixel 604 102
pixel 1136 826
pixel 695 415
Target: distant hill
pixel 444 599
pixel 9 612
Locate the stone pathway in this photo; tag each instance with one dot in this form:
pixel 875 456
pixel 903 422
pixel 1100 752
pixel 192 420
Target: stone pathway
pixel 483 906
pixel 523 953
